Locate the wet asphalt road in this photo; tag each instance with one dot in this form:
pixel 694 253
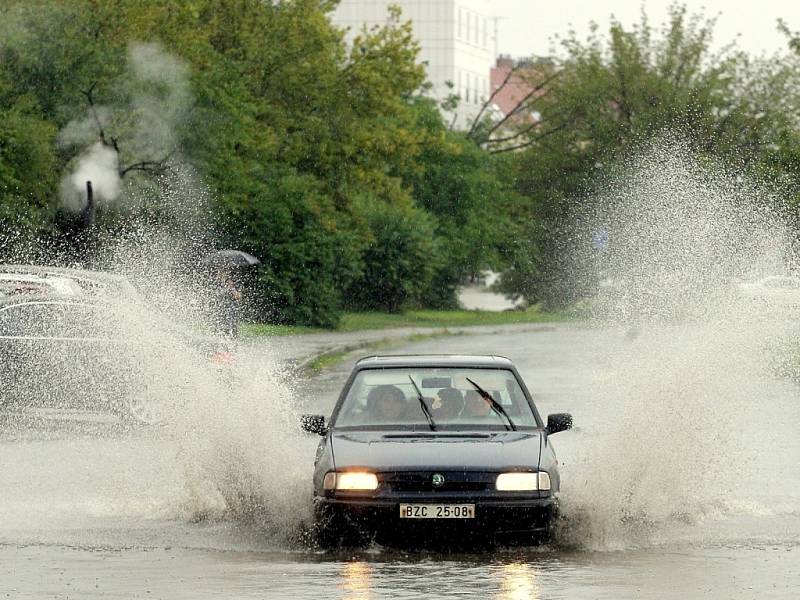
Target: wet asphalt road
pixel 710 491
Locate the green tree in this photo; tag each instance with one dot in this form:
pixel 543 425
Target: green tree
pixel 322 160
pixel 27 170
pixel 473 200
pixel 614 92
pixel 399 261
pixel 338 123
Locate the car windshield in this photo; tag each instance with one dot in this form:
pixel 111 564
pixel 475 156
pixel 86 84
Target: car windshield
pixel 388 399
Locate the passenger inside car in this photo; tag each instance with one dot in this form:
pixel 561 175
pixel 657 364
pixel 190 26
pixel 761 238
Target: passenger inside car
pixel 447 404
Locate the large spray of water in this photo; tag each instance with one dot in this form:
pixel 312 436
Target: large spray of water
pixel 672 442
pixel 230 430
pixel 233 428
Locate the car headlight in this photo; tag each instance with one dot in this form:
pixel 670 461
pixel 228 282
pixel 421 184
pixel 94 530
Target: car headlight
pixel 350 480
pixel 523 482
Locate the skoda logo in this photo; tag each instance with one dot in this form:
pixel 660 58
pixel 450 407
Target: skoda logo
pixel 437 480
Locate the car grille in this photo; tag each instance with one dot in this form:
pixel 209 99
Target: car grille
pixel 422 481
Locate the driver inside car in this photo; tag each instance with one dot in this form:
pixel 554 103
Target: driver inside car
pixel 386 404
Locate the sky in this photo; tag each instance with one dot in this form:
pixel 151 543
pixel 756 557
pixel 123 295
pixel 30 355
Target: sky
pixel 524 26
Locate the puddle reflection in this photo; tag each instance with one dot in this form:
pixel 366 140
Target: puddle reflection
pixel 518 581
pixel 356 580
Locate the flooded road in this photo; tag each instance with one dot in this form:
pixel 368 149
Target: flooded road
pixel 197 573
pixel 676 482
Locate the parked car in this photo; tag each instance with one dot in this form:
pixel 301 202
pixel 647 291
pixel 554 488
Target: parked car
pixel 436 448
pixel 78 353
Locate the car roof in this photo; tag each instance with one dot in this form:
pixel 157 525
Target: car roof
pixel 58 283
pixel 434 360
pixel 18 300
pixel 67 272
pixel 90 282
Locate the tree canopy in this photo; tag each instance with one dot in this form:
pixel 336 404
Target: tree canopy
pixel 614 92
pixel 328 161
pixel 324 160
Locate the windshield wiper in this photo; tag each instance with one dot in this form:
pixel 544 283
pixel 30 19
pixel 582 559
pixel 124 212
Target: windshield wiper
pixel 424 406
pixel 496 407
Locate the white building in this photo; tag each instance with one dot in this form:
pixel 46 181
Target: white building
pixel 457 41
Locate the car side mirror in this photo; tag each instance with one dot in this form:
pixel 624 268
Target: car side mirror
pixel 558 422
pixel 314 424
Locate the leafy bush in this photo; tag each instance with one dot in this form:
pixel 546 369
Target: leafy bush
pixel 287 220
pixel 26 148
pixel 399 261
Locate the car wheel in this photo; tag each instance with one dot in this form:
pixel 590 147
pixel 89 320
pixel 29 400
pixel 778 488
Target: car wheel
pixel 332 531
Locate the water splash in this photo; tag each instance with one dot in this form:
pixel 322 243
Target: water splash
pixel 685 348
pixel 243 454
pixel 227 447
pixel 234 427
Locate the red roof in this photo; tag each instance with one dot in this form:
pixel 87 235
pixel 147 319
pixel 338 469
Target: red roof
pixel 516 89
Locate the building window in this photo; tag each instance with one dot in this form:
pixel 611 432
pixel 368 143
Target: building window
pixel 460 19
pixel 473 83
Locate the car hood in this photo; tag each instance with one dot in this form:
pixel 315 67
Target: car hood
pixel 386 450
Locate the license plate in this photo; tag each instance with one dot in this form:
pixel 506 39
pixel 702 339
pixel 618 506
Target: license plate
pixel 437 511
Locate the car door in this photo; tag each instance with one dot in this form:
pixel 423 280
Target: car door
pixel 12 365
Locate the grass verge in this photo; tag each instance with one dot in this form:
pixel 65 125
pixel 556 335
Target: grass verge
pixel 249 330
pixel 328 359
pixel 413 318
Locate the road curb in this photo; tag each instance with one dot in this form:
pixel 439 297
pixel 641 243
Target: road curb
pixel 303 365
